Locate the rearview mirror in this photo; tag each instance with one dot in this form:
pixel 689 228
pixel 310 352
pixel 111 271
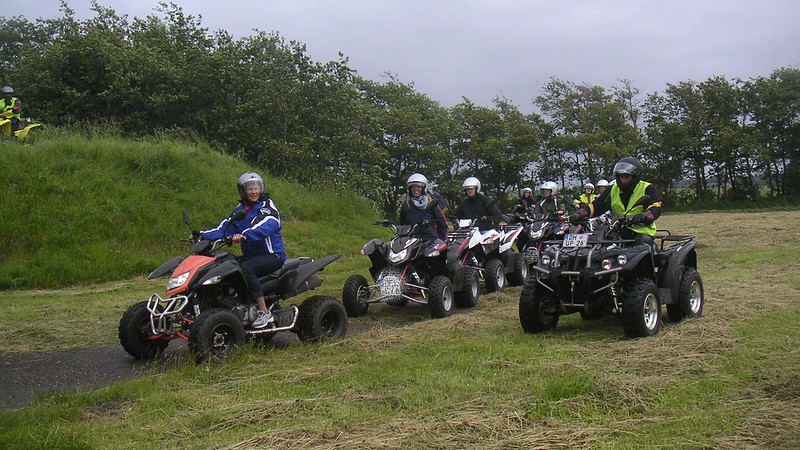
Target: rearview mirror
pixel 239 215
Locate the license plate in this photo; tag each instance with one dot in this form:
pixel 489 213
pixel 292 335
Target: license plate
pixel 576 240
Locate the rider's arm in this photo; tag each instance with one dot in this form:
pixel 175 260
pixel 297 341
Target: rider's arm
pixel 441 221
pixel 216 233
pixel 653 210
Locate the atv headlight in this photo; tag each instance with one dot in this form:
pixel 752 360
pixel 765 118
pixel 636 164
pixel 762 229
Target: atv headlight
pixel 212 280
pixel 606 264
pixel 175 282
pixel 399 256
pixel 545 260
pixel 536 234
pixel 622 260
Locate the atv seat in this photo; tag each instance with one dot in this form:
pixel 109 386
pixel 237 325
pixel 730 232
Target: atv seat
pixel 290 264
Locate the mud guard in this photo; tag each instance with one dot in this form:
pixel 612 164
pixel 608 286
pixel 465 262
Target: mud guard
pixel 292 283
pixel 165 268
pixel 680 256
pixel 222 270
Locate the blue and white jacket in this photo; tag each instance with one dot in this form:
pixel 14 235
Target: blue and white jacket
pixel 261 227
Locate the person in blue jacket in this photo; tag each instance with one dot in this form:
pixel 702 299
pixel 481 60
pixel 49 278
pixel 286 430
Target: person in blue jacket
pixel 260 235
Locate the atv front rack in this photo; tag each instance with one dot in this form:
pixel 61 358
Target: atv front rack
pixel 163 310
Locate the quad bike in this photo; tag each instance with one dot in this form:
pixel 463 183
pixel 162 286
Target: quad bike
pixel 490 252
pixel 596 273
pixel 407 269
pixel 207 304
pixel 22 134
pixel 538 228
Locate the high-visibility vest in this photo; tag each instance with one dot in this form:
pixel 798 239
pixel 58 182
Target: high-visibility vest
pixel 619 210
pixel 9 107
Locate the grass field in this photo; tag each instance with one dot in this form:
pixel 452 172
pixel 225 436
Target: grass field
pixel 730 379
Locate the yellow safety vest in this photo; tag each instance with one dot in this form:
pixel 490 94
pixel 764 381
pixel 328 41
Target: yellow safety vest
pixel 619 210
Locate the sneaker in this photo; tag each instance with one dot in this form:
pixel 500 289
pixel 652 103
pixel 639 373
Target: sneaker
pixel 263 320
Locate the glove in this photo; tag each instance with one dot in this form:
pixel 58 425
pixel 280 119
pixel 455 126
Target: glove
pixel 639 218
pixel 576 217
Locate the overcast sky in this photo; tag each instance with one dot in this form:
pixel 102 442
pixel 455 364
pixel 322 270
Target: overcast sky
pixel 484 49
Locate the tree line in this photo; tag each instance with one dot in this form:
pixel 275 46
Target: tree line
pixel 263 99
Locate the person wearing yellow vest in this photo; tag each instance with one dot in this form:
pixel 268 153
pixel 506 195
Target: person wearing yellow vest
pixel 11 107
pixel 587 196
pixel 621 198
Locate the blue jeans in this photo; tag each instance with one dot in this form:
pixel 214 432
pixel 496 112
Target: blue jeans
pixel 258 266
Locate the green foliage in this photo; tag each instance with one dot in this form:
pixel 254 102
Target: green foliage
pixel 81 209
pixel 266 101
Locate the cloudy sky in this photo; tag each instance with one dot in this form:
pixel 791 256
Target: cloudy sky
pixel 483 49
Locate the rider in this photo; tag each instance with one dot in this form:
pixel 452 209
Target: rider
pixel 260 235
pixel 627 190
pixel 602 186
pixel 420 205
pixel 525 202
pixel 11 105
pixel 549 202
pixel 478 206
pixel 588 195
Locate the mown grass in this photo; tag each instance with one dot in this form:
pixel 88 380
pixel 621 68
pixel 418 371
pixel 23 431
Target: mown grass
pixel 80 209
pixel 475 380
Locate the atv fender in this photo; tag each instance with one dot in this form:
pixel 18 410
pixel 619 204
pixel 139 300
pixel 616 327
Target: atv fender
pixel 678 257
pixel 640 264
pixel 294 282
pixel 166 268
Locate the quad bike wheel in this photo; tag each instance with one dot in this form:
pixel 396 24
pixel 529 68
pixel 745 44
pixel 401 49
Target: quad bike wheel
pixel 471 289
pixel 519 270
pixel 215 335
pixel 321 318
pixel 691 297
pixel 440 297
pixel 495 276
pixel 135 333
pixel 641 309
pixel 354 296
pixel 538 309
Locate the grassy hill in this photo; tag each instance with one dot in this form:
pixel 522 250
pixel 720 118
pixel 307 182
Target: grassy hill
pixel 81 209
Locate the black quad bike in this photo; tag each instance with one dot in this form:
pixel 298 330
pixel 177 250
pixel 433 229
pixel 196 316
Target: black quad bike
pixel 538 229
pixel 406 269
pixel 596 273
pixel 208 304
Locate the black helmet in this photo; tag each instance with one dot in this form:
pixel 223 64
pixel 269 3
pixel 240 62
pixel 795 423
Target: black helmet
pixel 249 179
pixel 629 166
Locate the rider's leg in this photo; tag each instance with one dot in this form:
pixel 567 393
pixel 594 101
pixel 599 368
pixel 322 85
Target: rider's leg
pixel 256 266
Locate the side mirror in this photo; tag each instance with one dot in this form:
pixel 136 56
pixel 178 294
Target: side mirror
pixel 185 217
pixel 238 216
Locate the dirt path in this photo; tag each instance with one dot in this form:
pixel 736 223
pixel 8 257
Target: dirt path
pixel 25 376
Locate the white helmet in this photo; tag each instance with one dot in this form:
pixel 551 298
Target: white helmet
pixel 472 182
pixel 602 183
pixel 527 190
pixel 247 180
pixel 588 186
pixel 549 185
pixel 8 90
pixel 418 179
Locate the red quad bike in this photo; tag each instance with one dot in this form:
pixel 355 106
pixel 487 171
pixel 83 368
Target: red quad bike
pixel 208 304
pixel 594 272
pixel 406 269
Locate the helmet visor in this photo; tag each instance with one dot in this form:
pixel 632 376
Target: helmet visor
pixel 253 185
pixel 625 167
